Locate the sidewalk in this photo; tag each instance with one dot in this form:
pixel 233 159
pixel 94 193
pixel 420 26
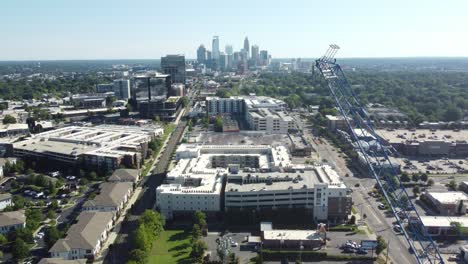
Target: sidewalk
pixel 118 224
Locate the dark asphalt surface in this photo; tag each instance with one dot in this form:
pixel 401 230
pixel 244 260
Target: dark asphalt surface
pixel 119 251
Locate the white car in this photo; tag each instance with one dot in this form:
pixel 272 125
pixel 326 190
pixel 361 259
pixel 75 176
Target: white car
pixel 235 244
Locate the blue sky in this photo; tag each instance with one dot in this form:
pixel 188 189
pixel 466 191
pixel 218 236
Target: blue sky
pixel 148 29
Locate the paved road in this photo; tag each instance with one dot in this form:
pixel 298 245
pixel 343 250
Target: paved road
pixel 119 251
pixel 380 223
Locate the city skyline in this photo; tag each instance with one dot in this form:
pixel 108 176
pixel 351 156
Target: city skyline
pixel 54 30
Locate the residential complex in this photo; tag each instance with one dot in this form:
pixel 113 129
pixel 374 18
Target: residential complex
pixel 5 200
pixel 257 177
pixel 112 197
pixel 259 112
pixel 103 146
pixel 11 221
pixel 85 238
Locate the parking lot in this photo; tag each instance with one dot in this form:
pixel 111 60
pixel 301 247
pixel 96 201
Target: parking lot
pixel 234 242
pixel 434 166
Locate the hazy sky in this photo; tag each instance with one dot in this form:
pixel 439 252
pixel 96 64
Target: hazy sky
pixel 147 29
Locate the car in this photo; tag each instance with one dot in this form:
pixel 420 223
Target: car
pixel 454 258
pixel 401 215
pixel 361 251
pixel 397 228
pixel 381 206
pixel 235 244
pixel 348 250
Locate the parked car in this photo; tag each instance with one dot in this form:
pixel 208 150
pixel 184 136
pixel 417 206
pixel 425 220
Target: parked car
pixel 349 250
pixel 397 228
pixel 381 206
pixel 361 251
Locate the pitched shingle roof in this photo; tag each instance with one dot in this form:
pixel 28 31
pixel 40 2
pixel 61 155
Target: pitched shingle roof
pixel 86 233
pixel 129 175
pixel 111 194
pixel 61 261
pixel 12 218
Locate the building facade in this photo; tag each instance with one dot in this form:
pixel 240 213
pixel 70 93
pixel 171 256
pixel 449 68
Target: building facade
pixel 121 88
pixel 174 65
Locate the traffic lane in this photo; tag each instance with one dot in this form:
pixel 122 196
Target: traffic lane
pixel 382 225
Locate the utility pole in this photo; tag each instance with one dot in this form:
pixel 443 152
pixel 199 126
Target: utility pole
pixel 388 250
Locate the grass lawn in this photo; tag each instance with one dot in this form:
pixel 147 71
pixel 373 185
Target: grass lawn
pixel 172 246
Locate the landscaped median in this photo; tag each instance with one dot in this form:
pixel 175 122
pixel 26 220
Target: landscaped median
pixel 277 255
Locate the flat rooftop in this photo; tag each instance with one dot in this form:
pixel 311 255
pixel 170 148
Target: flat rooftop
pixel 421 135
pixel 448 197
pixel 443 221
pixel 243 138
pixel 293 180
pixel 290 235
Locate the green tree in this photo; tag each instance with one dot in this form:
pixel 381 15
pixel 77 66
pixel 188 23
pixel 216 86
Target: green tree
pixel 185 101
pixel 196 232
pixel 405 177
pixel 430 182
pixel 9 119
pixel 452 113
pixel 218 125
pixel 139 256
pixel 92 176
pixel 51 188
pixel 404 201
pixel 424 177
pixel 18 202
pixel 416 190
pixel 200 219
pixel 52 234
pixel 20 249
pixel 457 227
pixel 453 185
pixel 352 220
pixel 51 214
pixel 3 240
pixel 198 249
pixel 381 245
pixel 141 240
pixel 415 177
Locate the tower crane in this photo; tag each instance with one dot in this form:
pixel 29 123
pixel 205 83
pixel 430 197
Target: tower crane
pixel 376 157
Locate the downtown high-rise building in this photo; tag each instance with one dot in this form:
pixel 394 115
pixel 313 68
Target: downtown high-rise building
pixel 255 55
pixel 264 58
pixel 201 54
pixel 175 66
pixel 215 48
pixel 228 50
pixel 246 46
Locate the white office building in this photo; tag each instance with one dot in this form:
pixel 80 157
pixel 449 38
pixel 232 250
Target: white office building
pixel 260 112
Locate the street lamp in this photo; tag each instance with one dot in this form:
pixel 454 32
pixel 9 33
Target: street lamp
pixel 301 247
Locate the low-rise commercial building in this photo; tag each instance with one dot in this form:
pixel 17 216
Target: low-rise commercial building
pixel 442 225
pixel 292 239
pixel 84 239
pixel 299 146
pixel 254 177
pixel 448 203
pixel 10 221
pixel 101 147
pixel 427 142
pixel 5 200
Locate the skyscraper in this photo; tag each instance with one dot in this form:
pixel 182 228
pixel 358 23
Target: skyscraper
pixel 246 46
pixel 264 58
pixel 255 55
pixel 175 66
pixel 215 48
pixel 201 54
pixel 228 50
